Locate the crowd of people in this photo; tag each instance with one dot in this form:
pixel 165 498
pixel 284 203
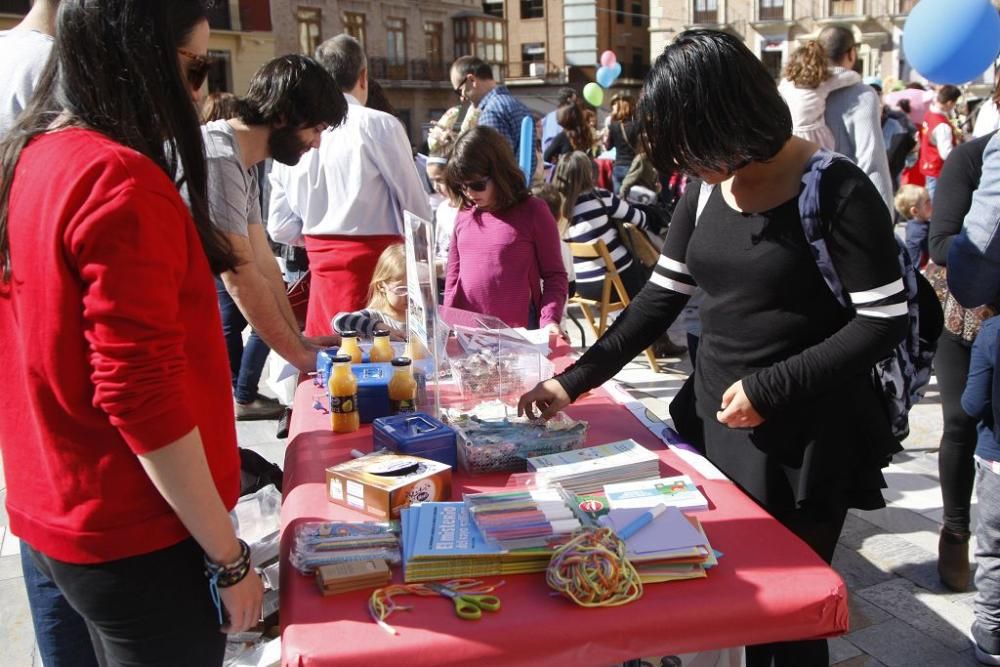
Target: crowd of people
pixel 138 227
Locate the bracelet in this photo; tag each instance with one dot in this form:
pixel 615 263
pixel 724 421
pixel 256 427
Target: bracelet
pixel 226 575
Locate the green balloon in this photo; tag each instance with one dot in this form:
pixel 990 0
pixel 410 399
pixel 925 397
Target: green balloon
pixel 593 93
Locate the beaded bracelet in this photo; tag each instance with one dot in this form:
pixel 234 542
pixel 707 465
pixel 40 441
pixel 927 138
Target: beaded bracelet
pixel 226 575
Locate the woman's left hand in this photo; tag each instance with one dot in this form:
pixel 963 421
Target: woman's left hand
pixel 555 330
pixel 737 410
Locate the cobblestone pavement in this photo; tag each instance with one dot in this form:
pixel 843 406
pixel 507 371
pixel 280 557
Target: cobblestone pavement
pixel 900 613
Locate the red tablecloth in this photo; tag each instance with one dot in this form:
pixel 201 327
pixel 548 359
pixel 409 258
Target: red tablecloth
pixel 768 586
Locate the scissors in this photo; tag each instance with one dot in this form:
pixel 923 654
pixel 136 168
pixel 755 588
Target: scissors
pixel 467 606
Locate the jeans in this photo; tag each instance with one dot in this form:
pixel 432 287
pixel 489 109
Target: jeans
pixel 152 610
pixel 618 173
pixel 958 435
pixel 61 633
pixel 245 362
pixel 930 183
pixel 986 605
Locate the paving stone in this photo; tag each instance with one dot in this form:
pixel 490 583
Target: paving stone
pixel 892 553
pixel 930 614
pixel 857 571
pixel 907 524
pixel 857 529
pixel 17 637
pixel 10 567
pixel 859 661
pixel 841 650
pixel 896 644
pixel 864 613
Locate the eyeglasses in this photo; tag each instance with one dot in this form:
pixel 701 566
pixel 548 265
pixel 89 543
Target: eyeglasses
pixel 398 290
pixel 461 87
pixel 197 68
pixel 475 186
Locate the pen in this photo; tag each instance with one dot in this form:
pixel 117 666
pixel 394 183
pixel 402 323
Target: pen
pixel 640 521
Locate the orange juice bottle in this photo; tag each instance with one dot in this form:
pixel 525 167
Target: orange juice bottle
pixel 381 350
pixel 343 389
pixel 414 349
pixel 349 346
pixel 402 387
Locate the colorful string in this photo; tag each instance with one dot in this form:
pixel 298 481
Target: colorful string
pixel 592 571
pixel 381 604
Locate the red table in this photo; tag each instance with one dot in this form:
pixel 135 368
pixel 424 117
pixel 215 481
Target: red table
pixel 768 586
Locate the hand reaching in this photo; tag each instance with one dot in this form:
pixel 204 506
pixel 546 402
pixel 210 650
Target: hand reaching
pixel 548 397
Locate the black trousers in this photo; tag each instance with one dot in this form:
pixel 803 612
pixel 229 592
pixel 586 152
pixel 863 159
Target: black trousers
pixel 153 609
pixel 958 437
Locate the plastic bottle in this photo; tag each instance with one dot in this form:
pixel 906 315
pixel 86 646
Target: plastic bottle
pixel 414 349
pixel 381 349
pixel 343 387
pixel 402 387
pixel 349 346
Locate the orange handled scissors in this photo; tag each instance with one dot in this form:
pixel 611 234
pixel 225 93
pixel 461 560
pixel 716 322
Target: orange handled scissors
pixel 468 606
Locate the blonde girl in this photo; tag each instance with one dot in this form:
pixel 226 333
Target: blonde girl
pixel 807 83
pixel 386 309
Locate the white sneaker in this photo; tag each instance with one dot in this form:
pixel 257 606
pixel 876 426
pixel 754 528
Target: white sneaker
pixel 986 658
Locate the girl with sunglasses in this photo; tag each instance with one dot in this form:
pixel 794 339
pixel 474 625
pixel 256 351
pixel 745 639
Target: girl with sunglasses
pixel 126 463
pixel 783 384
pixel 505 259
pixel 386 309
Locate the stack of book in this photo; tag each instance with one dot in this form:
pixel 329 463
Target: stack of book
pixel 441 541
pixel 523 519
pixel 671 547
pixel 679 491
pixel 582 471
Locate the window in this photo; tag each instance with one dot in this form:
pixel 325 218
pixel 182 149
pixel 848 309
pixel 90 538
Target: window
pixel 220 76
pixel 533 52
pixel 218 16
pixel 619 11
pixel 493 8
pixel 433 42
pixel 637 14
pixel 772 63
pixel 706 11
pixel 354 25
pixel 770 10
pixel 309 20
pixel 640 66
pixel 395 30
pixel 532 9
pixel 843 7
pixel 481 37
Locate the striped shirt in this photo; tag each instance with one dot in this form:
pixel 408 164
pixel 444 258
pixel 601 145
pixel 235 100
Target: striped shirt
pixel 365 321
pixel 592 220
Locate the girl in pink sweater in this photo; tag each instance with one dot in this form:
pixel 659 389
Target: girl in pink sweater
pixel 505 259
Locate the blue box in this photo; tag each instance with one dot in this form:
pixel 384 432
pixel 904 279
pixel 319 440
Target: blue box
pixel 373 390
pixel 416 434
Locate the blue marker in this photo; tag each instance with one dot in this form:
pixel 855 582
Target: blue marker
pixel 640 522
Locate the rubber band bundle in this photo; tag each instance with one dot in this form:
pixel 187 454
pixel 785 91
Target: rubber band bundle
pixel 381 604
pixel 592 571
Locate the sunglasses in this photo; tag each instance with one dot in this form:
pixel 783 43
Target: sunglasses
pixel 197 68
pixel 475 186
pixel 461 87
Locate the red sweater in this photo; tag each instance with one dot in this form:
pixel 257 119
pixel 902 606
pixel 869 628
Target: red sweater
pixel 111 345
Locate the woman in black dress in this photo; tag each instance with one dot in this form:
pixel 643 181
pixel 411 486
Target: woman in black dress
pixel 782 384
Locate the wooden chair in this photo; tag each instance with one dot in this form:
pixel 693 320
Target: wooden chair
pixel 613 294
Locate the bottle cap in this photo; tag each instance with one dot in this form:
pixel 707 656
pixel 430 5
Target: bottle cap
pixel 342 359
pixel 401 361
pixel 349 334
pixel 380 333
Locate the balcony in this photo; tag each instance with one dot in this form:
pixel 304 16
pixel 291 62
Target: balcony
pixel 771 13
pixel 706 16
pixel 419 69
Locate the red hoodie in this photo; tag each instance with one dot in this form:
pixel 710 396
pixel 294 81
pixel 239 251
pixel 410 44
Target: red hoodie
pixel 112 346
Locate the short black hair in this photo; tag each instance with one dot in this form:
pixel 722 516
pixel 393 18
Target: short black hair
pixel 709 104
pixel 566 96
pixel 477 67
pixel 837 40
pixel 344 58
pixel 948 93
pixel 295 90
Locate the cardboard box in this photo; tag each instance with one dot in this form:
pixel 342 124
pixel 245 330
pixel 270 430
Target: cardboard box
pixel 383 483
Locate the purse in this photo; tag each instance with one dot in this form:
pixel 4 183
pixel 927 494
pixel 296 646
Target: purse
pixel 958 320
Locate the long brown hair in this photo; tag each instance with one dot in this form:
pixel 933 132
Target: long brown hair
pixel 574 176
pixel 807 66
pixel 570 117
pixel 621 108
pixel 482 152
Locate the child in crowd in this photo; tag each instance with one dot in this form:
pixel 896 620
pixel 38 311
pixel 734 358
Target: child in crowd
pixel 805 87
pixel 550 194
pixel 977 401
pixel 386 310
pixel 504 259
pixel 445 210
pixel 914 204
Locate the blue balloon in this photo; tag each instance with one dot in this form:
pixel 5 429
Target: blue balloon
pixel 526 149
pixel 952 41
pixel 617 70
pixel 606 76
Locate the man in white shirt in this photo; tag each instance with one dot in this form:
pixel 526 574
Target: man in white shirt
pixel 344 201
pixel 24 50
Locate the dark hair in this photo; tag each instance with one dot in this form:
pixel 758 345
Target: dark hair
pixel 709 104
pixel 836 40
pixel 344 58
pixel 571 120
pixel 483 152
pixel 948 93
pixel 377 99
pixel 114 69
pixel 567 96
pixel 472 65
pixel 219 106
pixel 294 90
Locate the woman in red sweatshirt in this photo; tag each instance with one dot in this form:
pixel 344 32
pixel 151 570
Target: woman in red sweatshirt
pixel 117 424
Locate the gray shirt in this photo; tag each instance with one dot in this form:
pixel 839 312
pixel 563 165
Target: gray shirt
pixel 233 192
pixel 23 54
pixel 854 116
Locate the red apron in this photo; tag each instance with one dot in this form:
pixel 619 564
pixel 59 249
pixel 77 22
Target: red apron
pixel 341 268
